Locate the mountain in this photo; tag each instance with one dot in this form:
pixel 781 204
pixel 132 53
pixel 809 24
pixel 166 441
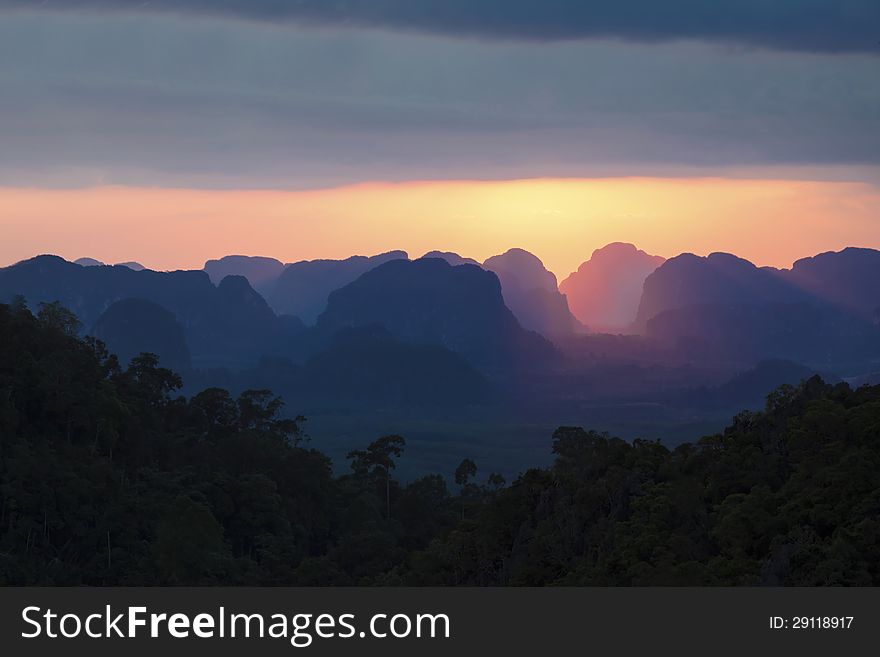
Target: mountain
pixel 429 301
pixel 452 258
pixel 369 365
pixel 749 389
pixel 605 291
pixel 89 290
pixel 261 272
pixel 848 279
pixel 807 332
pixel 720 278
pixel 523 269
pixel 88 262
pixel 132 326
pixel 530 292
pixel 722 306
pixel 229 324
pixel 303 287
pixel 91 262
pixel 136 266
pixel 240 322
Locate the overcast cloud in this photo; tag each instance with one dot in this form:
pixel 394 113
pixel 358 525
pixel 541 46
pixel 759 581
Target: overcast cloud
pixel 809 25
pixel 155 99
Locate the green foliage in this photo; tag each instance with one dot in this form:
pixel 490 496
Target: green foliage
pixel 465 471
pixel 787 496
pixel 109 477
pixel 378 461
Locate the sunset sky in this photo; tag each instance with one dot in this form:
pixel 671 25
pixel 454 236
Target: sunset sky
pixel 171 132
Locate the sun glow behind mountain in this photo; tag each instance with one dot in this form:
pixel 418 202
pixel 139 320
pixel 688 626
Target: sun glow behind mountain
pixel 771 222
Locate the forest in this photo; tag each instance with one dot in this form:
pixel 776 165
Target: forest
pixel 110 476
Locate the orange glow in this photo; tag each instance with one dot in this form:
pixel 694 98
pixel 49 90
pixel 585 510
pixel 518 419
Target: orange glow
pixel 771 222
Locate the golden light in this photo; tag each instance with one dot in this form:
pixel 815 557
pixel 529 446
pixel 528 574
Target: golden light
pixel 562 221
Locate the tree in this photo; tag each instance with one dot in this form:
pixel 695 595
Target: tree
pixel 379 457
pixel 260 410
pixel 496 482
pixel 105 479
pixel 189 543
pixel 464 472
pixel 154 382
pixel 18 304
pixel 56 317
pixel 219 410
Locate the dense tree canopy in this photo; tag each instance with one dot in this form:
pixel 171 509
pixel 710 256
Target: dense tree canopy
pixel 109 476
pixel 790 495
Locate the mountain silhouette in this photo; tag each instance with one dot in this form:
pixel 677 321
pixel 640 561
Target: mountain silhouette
pixel 530 291
pixel 808 332
pixel 303 287
pixel 605 291
pixel 136 266
pixel 229 324
pixel 91 262
pixel 367 365
pixel 88 262
pixel 261 272
pixel 722 306
pixel 132 326
pixel 429 301
pixel 452 258
pixel 720 278
pixel 749 389
pixel 848 279
pixel 824 312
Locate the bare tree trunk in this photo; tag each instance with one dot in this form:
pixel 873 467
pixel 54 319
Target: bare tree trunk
pixel 388 493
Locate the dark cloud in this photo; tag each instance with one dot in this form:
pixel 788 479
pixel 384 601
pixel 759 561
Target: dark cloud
pixel 114 98
pixel 804 25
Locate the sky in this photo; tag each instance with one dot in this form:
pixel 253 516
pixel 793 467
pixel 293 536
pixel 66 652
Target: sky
pixel 171 132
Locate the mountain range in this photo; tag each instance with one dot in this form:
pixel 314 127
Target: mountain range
pixel 605 291
pixel 822 310
pixel 303 288
pixel 225 325
pixel 297 288
pixel 430 301
pixel 453 318
pixel 532 294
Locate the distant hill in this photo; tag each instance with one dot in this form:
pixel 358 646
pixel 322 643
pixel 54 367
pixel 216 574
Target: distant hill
pixel 429 301
pixel 261 272
pixel 240 321
pixel 824 312
pixel 605 291
pixel 367 365
pixel 132 326
pixel 848 279
pixel 819 312
pixel 749 389
pixel 88 262
pixel 91 262
pixel 523 268
pixel 720 278
pixel 530 292
pixel 229 324
pixel 806 332
pixel 131 265
pixel 303 287
pixel 452 258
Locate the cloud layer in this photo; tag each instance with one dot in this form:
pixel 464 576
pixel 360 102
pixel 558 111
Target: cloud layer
pixel 807 25
pixel 92 98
